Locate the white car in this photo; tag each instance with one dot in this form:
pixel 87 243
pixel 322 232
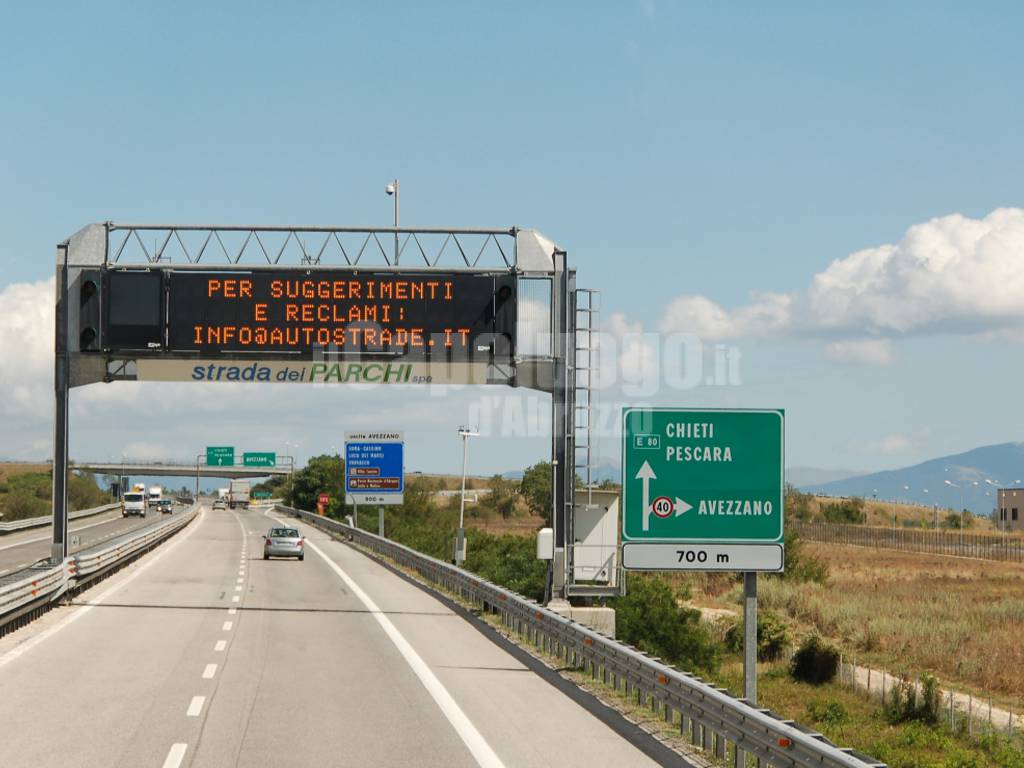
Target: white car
pixel 220 504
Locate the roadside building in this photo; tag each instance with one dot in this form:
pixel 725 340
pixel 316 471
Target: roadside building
pixel 1010 509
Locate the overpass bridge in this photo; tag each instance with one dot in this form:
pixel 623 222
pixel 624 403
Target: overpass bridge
pixel 178 469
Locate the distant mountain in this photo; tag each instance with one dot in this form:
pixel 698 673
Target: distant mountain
pixel 800 476
pixel 598 473
pixel 969 478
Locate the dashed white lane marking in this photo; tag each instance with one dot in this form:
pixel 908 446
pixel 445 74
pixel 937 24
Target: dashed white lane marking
pixel 75 529
pixel 485 756
pixel 209 671
pixel 239 580
pixel 235 599
pixel 232 611
pixel 221 645
pixel 238 588
pixel 227 626
pixel 175 756
pixel 196 706
pixel 176 542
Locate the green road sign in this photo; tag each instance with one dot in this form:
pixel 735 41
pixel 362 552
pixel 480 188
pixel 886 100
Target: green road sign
pixel 709 476
pixel 220 456
pixel 259 459
pixel 261 494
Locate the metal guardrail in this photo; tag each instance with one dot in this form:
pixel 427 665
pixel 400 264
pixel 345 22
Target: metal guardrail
pixel 714 720
pixel 36 588
pixel 38 522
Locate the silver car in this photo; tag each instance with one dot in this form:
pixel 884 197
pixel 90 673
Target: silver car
pixel 283 542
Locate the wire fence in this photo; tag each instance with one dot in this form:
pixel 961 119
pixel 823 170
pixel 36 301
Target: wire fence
pixel 937 542
pixel 962 712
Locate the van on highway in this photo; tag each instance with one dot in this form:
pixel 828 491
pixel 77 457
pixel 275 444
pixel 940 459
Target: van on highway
pixel 134 503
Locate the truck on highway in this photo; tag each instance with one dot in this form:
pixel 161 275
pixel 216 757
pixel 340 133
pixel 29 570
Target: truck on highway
pixel 238 494
pixel 135 502
pixel 156 493
pixel 222 493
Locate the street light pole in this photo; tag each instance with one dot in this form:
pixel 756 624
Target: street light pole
pixel 460 536
pixel 393 190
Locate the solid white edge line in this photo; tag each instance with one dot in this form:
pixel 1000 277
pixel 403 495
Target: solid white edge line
pixel 471 737
pixel 209 671
pixel 195 707
pixel 31 643
pixel 175 756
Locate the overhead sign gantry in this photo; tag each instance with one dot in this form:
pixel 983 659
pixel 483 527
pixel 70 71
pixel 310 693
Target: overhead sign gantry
pixel 319 305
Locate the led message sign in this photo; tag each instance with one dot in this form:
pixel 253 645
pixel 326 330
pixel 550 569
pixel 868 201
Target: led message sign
pixel 454 316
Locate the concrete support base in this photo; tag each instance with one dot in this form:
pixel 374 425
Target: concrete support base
pixel 598 618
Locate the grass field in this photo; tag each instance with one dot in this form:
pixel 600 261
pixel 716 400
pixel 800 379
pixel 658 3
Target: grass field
pixel 959 619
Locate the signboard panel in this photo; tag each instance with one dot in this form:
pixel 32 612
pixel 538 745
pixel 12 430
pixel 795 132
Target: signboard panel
pixel 374 467
pixel 448 316
pixel 654 556
pixel 703 477
pixel 320 372
pixel 220 456
pixel 259 459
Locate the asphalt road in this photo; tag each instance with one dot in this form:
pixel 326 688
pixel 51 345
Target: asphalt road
pixel 204 654
pixel 21 549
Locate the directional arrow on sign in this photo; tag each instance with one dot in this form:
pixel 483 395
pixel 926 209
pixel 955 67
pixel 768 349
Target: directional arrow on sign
pixel 682 506
pixel 646 474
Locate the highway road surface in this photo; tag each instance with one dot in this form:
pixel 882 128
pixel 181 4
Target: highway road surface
pixel 22 548
pixel 203 654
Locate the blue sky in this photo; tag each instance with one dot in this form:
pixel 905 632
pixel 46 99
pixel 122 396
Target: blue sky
pixel 674 149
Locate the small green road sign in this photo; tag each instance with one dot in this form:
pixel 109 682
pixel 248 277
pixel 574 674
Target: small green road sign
pixel 220 456
pixel 702 476
pixel 259 459
pixel 261 494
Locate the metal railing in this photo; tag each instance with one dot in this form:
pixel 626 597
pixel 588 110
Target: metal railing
pixel 711 718
pixel 984 546
pixel 27 593
pixel 38 522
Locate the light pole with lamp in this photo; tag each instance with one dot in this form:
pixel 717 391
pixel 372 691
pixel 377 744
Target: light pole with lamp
pixel 460 537
pixel 288 445
pixel 392 190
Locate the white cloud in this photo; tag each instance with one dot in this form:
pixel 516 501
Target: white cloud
pixel 26 351
pixel 952 274
pixel 766 315
pixel 863 351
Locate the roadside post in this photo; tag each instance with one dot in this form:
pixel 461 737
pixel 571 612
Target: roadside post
pixel 703 490
pixel 380 522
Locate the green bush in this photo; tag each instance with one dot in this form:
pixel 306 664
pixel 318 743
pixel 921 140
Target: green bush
pixel 772 637
pixel 816 661
pixel 801 566
pixel 844 511
pixel 650 617
pixel 908 703
pixel 830 713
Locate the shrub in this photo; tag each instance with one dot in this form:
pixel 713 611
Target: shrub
pixel 772 637
pixel 801 566
pixel 909 703
pixel 828 713
pixel 816 661
pixel 844 511
pixel 649 617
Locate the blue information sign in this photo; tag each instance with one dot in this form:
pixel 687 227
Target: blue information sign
pixel 374 467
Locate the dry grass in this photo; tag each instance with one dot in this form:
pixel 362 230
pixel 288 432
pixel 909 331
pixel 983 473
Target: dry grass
pixel 960 619
pixel 8 469
pixel 881 513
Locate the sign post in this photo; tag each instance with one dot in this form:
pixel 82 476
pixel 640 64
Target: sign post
pixel 220 456
pixel 703 491
pixel 374 467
